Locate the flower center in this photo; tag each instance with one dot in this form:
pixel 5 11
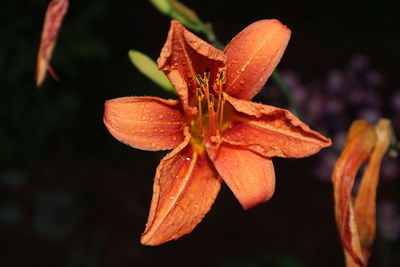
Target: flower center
pixel 210 105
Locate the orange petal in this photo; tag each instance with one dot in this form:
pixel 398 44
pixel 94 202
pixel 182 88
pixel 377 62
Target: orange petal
pixel 359 144
pixel 252 56
pixel 54 17
pixel 250 176
pixel 185 187
pixel 365 204
pixel 147 123
pixel 183 56
pixel 271 131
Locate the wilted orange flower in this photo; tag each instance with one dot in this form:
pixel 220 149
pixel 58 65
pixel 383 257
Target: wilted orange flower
pixel 215 131
pixel 355 216
pixel 52 23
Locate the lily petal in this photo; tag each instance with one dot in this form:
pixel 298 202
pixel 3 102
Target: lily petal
pixel 365 203
pixel 271 131
pixel 183 56
pixel 252 56
pixel 359 144
pixel 250 176
pixel 52 23
pixel 147 123
pixel 185 187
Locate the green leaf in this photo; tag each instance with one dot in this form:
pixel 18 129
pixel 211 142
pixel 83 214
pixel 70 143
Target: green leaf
pixel 148 67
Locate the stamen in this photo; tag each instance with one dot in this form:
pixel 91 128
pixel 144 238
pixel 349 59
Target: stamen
pixel 220 82
pixel 211 115
pixel 200 111
pixel 207 74
pixel 221 113
pixel 200 80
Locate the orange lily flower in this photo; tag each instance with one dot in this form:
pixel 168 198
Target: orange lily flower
pixel 214 130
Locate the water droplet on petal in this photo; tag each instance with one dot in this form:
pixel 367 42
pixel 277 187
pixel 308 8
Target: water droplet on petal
pixel 162 130
pixel 241 82
pixel 173 138
pixel 160 116
pixel 144 118
pixel 243 69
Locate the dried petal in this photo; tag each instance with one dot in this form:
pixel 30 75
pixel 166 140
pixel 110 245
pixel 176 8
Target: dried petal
pixel 52 23
pixel 359 144
pixel 185 187
pixel 183 56
pixel 147 123
pixel 271 131
pixel 252 56
pixel 365 204
pixel 250 176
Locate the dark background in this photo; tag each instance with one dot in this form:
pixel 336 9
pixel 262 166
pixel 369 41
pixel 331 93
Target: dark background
pixel 71 195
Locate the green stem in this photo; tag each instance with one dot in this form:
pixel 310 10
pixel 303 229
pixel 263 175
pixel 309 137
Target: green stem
pixel 288 92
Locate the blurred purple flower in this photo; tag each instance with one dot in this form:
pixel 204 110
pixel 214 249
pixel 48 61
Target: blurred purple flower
pixel 323 171
pixel 358 62
pixel 335 81
pixel 332 102
pixel 390 168
pixel 389 220
pixel 356 96
pixel 370 115
pixel 395 101
pixel 374 78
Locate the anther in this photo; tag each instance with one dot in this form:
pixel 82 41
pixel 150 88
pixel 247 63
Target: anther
pixel 199 93
pixel 221 76
pixel 200 80
pixel 207 73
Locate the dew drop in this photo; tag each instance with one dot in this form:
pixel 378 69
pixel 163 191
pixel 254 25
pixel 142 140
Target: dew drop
pixel 162 130
pixel 188 159
pixel 243 69
pixel 234 61
pixel 160 116
pixel 173 138
pixel 241 82
pixel 144 118
pixel 172 197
